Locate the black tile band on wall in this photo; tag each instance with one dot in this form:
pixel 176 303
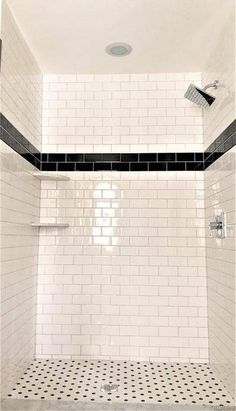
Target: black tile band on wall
pixel 14 139
pixel 187 161
pixel 122 161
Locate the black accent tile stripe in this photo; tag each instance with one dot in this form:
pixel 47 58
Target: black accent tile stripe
pixel 176 166
pixel 111 157
pixel 134 162
pixel 185 156
pixel 127 158
pixel 187 161
pixel 167 157
pixel 120 166
pixel 74 158
pixel 84 166
pixel 92 158
pixel 148 157
pixel 49 167
pixel 100 166
pixel 66 167
pixel 58 158
pixel 139 166
pixel 223 143
pixel 14 139
pixel 160 166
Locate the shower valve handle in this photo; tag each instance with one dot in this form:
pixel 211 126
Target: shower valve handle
pixel 218 226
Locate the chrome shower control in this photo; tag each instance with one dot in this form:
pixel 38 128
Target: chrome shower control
pixel 218 227
pixel 215 225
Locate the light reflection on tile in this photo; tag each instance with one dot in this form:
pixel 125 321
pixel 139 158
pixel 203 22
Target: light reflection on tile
pixel 125 246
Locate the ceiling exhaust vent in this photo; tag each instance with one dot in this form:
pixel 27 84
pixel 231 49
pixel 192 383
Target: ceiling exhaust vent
pixel 118 49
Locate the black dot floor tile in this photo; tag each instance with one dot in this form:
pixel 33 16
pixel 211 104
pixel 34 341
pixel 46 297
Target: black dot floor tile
pixel 129 382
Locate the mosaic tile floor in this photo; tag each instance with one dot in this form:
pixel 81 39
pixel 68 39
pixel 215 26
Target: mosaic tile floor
pixel 126 381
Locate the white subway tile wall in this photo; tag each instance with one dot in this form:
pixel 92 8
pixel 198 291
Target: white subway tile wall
pixel 220 182
pixel 21 82
pixel 120 113
pixel 21 102
pixel 20 201
pixel 127 279
pixel 221 66
pixel 220 195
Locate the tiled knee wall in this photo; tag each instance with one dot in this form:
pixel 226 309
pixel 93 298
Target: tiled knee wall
pixel 127 279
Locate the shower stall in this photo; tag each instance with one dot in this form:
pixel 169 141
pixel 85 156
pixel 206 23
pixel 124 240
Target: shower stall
pixel 117 205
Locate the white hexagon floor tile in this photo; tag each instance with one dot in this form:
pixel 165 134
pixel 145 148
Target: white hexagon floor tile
pixel 122 382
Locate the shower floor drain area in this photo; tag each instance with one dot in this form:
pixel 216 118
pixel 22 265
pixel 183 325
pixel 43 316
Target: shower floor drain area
pixel 109 387
pixel 121 382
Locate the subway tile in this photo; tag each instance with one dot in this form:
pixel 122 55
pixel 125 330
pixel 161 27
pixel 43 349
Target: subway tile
pixel 129 157
pixel 102 166
pixel 93 157
pixel 49 167
pixel 56 157
pixel 84 166
pixel 73 157
pixel 146 157
pixel 160 166
pixel 167 157
pixel 66 166
pixel 139 166
pixel 123 294
pixel 116 274
pixel 120 166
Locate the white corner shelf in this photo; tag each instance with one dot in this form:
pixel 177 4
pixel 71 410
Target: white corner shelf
pixel 50 225
pixel 51 176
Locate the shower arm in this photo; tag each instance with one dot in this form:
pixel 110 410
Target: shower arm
pixel 214 85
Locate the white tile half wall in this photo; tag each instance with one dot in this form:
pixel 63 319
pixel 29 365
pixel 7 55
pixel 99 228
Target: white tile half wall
pixel 127 279
pixel 120 113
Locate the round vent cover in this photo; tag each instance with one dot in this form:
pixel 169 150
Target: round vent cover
pixel 118 49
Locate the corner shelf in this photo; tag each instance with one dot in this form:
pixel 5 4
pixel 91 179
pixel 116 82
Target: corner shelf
pixel 50 225
pixel 51 176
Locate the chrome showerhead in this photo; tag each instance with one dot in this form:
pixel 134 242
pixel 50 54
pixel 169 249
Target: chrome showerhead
pixel 199 96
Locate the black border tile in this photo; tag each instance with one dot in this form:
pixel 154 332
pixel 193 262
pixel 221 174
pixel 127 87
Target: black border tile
pixel 66 167
pixel 74 157
pixel 84 166
pixel 111 157
pixel 160 166
pixel 194 165
pixel 128 157
pixel 199 157
pixel 93 157
pixel 48 166
pixel 167 157
pixel 56 157
pixel 102 166
pixel 185 156
pixel 120 166
pixel 148 157
pixel 176 166
pixel 138 166
pixel 117 161
pixel 44 157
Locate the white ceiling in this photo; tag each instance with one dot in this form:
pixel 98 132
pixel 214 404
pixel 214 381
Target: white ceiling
pixel 69 36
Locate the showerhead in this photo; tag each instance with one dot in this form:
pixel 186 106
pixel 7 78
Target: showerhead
pixel 199 96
